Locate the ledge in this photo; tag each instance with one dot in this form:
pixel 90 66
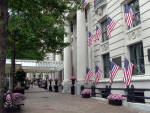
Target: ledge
pixel 136 106
pixel 99 5
pixel 134 78
pixel 133 29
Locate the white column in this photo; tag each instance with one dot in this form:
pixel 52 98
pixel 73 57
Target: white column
pixel 51 57
pixel 51 75
pixel 82 47
pixel 58 57
pixel 67 61
pixel 67 56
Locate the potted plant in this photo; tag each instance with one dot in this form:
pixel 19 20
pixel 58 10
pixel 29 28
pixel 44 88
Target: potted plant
pixel 86 93
pixel 115 99
pixel 19 89
pixel 18 96
pixel 20 78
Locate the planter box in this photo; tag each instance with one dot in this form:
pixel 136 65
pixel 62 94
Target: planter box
pixel 55 88
pixel 19 91
pixel 86 96
pixel 115 102
pixel 72 90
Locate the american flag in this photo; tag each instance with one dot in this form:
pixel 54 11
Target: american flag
pixel 85 3
pixel 128 15
pixel 113 68
pixel 98 33
pixel 110 26
pixel 128 68
pixel 90 37
pixel 89 73
pixel 98 73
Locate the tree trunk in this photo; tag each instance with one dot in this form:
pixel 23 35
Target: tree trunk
pixel 12 62
pixel 3 37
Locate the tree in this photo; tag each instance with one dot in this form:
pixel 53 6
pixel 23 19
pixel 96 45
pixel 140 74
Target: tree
pixel 39 29
pixel 39 26
pixel 20 77
pixel 3 38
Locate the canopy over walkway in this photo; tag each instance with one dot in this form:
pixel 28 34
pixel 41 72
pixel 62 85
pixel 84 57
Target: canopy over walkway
pixel 38 66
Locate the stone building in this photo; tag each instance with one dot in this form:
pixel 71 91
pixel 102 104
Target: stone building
pixel 132 43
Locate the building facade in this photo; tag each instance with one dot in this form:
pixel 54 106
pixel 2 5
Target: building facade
pixel 132 43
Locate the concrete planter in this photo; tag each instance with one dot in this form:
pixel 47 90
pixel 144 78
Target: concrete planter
pixel 86 96
pixel 115 102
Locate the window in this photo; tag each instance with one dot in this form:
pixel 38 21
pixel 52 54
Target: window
pixel 134 5
pixel 106 65
pixel 117 61
pixel 104 31
pixel 137 58
pixel 97 2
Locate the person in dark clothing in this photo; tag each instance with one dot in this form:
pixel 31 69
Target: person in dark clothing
pixel 45 84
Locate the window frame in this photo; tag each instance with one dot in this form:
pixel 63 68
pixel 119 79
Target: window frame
pixel 137 58
pixel 136 19
pixel 106 59
pixel 104 30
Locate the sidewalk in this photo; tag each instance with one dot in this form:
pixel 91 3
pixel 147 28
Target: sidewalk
pixel 41 101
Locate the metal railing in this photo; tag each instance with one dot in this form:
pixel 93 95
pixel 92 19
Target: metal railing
pixel 129 91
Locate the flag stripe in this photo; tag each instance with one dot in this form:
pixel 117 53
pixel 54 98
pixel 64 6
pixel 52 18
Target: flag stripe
pixel 128 15
pixel 98 33
pixel 89 73
pixel 90 38
pixel 98 73
pixel 113 69
pixel 128 68
pixel 110 26
pixel 85 3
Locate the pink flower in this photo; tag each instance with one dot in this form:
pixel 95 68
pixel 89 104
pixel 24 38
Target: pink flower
pixel 115 97
pixel 18 96
pixel 19 88
pixel 15 96
pixel 86 91
pixel 8 97
pixel 56 79
pixel 72 78
pixel 50 79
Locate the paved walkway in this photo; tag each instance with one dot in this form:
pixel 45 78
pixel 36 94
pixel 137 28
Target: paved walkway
pixel 40 101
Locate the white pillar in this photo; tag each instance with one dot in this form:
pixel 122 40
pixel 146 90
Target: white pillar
pixel 82 49
pixel 51 75
pixel 67 56
pixel 67 61
pixel 51 56
pixel 37 75
pixel 58 57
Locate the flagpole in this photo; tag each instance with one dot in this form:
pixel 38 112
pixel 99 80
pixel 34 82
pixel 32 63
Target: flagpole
pixel 135 66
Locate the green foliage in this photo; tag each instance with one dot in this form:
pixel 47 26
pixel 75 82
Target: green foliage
pixel 38 26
